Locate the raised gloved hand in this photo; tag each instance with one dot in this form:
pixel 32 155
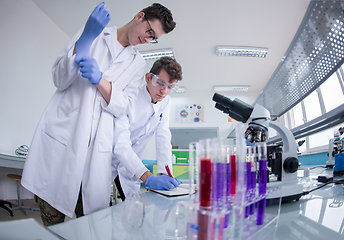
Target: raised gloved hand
pixel 89 69
pixel 95 24
pixel 162 182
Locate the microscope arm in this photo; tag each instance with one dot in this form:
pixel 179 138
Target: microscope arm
pixel 289 156
pixel 288 139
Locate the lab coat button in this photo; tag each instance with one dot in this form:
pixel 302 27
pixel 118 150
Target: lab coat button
pixel 99 98
pixel 94 117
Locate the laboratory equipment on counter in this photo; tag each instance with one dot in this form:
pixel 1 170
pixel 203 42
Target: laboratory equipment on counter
pixel 334 146
pixel 338 170
pixel 338 151
pixel 282 165
pixel 299 144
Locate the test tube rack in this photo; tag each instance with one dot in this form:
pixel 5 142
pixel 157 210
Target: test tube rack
pixel 231 201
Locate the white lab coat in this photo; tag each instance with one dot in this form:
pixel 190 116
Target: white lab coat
pixel 135 130
pixel 73 144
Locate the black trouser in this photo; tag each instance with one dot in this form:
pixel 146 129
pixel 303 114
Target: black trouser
pixel 119 188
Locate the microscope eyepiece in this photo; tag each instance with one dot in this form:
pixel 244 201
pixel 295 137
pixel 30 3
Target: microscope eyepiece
pixel 221 108
pixel 236 109
pixel 224 101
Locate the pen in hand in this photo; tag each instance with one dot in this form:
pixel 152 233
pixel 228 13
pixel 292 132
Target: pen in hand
pixel 170 175
pixel 168 171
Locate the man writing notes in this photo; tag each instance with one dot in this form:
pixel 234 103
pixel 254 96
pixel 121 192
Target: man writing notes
pixel 149 115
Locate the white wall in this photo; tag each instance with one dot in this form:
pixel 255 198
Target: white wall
pixel 29 44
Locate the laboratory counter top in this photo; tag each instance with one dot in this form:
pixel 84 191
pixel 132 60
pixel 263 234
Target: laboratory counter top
pixel 316 216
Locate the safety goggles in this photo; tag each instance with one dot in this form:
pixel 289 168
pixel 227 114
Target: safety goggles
pixel 162 84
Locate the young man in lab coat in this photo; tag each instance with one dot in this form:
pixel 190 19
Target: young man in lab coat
pixel 150 114
pixel 69 161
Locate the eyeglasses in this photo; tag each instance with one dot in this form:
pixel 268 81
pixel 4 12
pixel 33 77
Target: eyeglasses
pixel 162 84
pixel 150 33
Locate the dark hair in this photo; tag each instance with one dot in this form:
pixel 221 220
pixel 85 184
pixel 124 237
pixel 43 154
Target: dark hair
pixel 161 13
pixel 171 67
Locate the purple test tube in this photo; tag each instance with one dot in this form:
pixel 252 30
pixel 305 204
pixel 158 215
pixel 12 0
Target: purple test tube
pixel 253 189
pixel 219 185
pixel 262 180
pixel 228 191
pixel 248 185
pixel 228 183
pixel 218 159
pixel 253 178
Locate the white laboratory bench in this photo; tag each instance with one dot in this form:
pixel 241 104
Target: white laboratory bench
pixel 11 160
pixel 10 163
pixel 316 216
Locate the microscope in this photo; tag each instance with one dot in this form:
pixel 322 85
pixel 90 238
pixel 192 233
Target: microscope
pixel 282 162
pixel 334 147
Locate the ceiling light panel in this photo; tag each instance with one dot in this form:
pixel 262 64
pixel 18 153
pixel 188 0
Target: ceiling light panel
pixel 156 54
pixel 242 88
pixel 241 51
pixel 180 90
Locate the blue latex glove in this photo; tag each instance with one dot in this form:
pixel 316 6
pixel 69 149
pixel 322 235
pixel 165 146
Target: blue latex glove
pixel 95 24
pixel 162 182
pixel 180 182
pixel 89 69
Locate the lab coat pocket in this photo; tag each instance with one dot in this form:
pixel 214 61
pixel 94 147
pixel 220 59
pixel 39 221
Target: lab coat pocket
pixel 51 150
pixel 61 123
pixel 105 132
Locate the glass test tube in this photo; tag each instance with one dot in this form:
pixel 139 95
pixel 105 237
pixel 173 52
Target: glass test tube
pixel 193 171
pixel 248 180
pixel 219 150
pixel 204 187
pixel 219 187
pixel 229 153
pixel 238 161
pixel 205 173
pixel 240 186
pixel 253 177
pixel 262 181
pixel 233 175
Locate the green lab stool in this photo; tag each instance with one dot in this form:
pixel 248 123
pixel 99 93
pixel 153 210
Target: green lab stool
pixel 17 178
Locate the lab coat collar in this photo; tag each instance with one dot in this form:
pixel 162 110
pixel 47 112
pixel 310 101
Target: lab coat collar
pixel 149 98
pixel 110 37
pixel 146 93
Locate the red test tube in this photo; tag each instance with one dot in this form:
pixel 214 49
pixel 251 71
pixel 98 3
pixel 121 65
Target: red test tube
pixel 205 173
pixel 204 187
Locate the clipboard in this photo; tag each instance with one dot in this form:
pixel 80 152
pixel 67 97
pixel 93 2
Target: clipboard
pixel 181 190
